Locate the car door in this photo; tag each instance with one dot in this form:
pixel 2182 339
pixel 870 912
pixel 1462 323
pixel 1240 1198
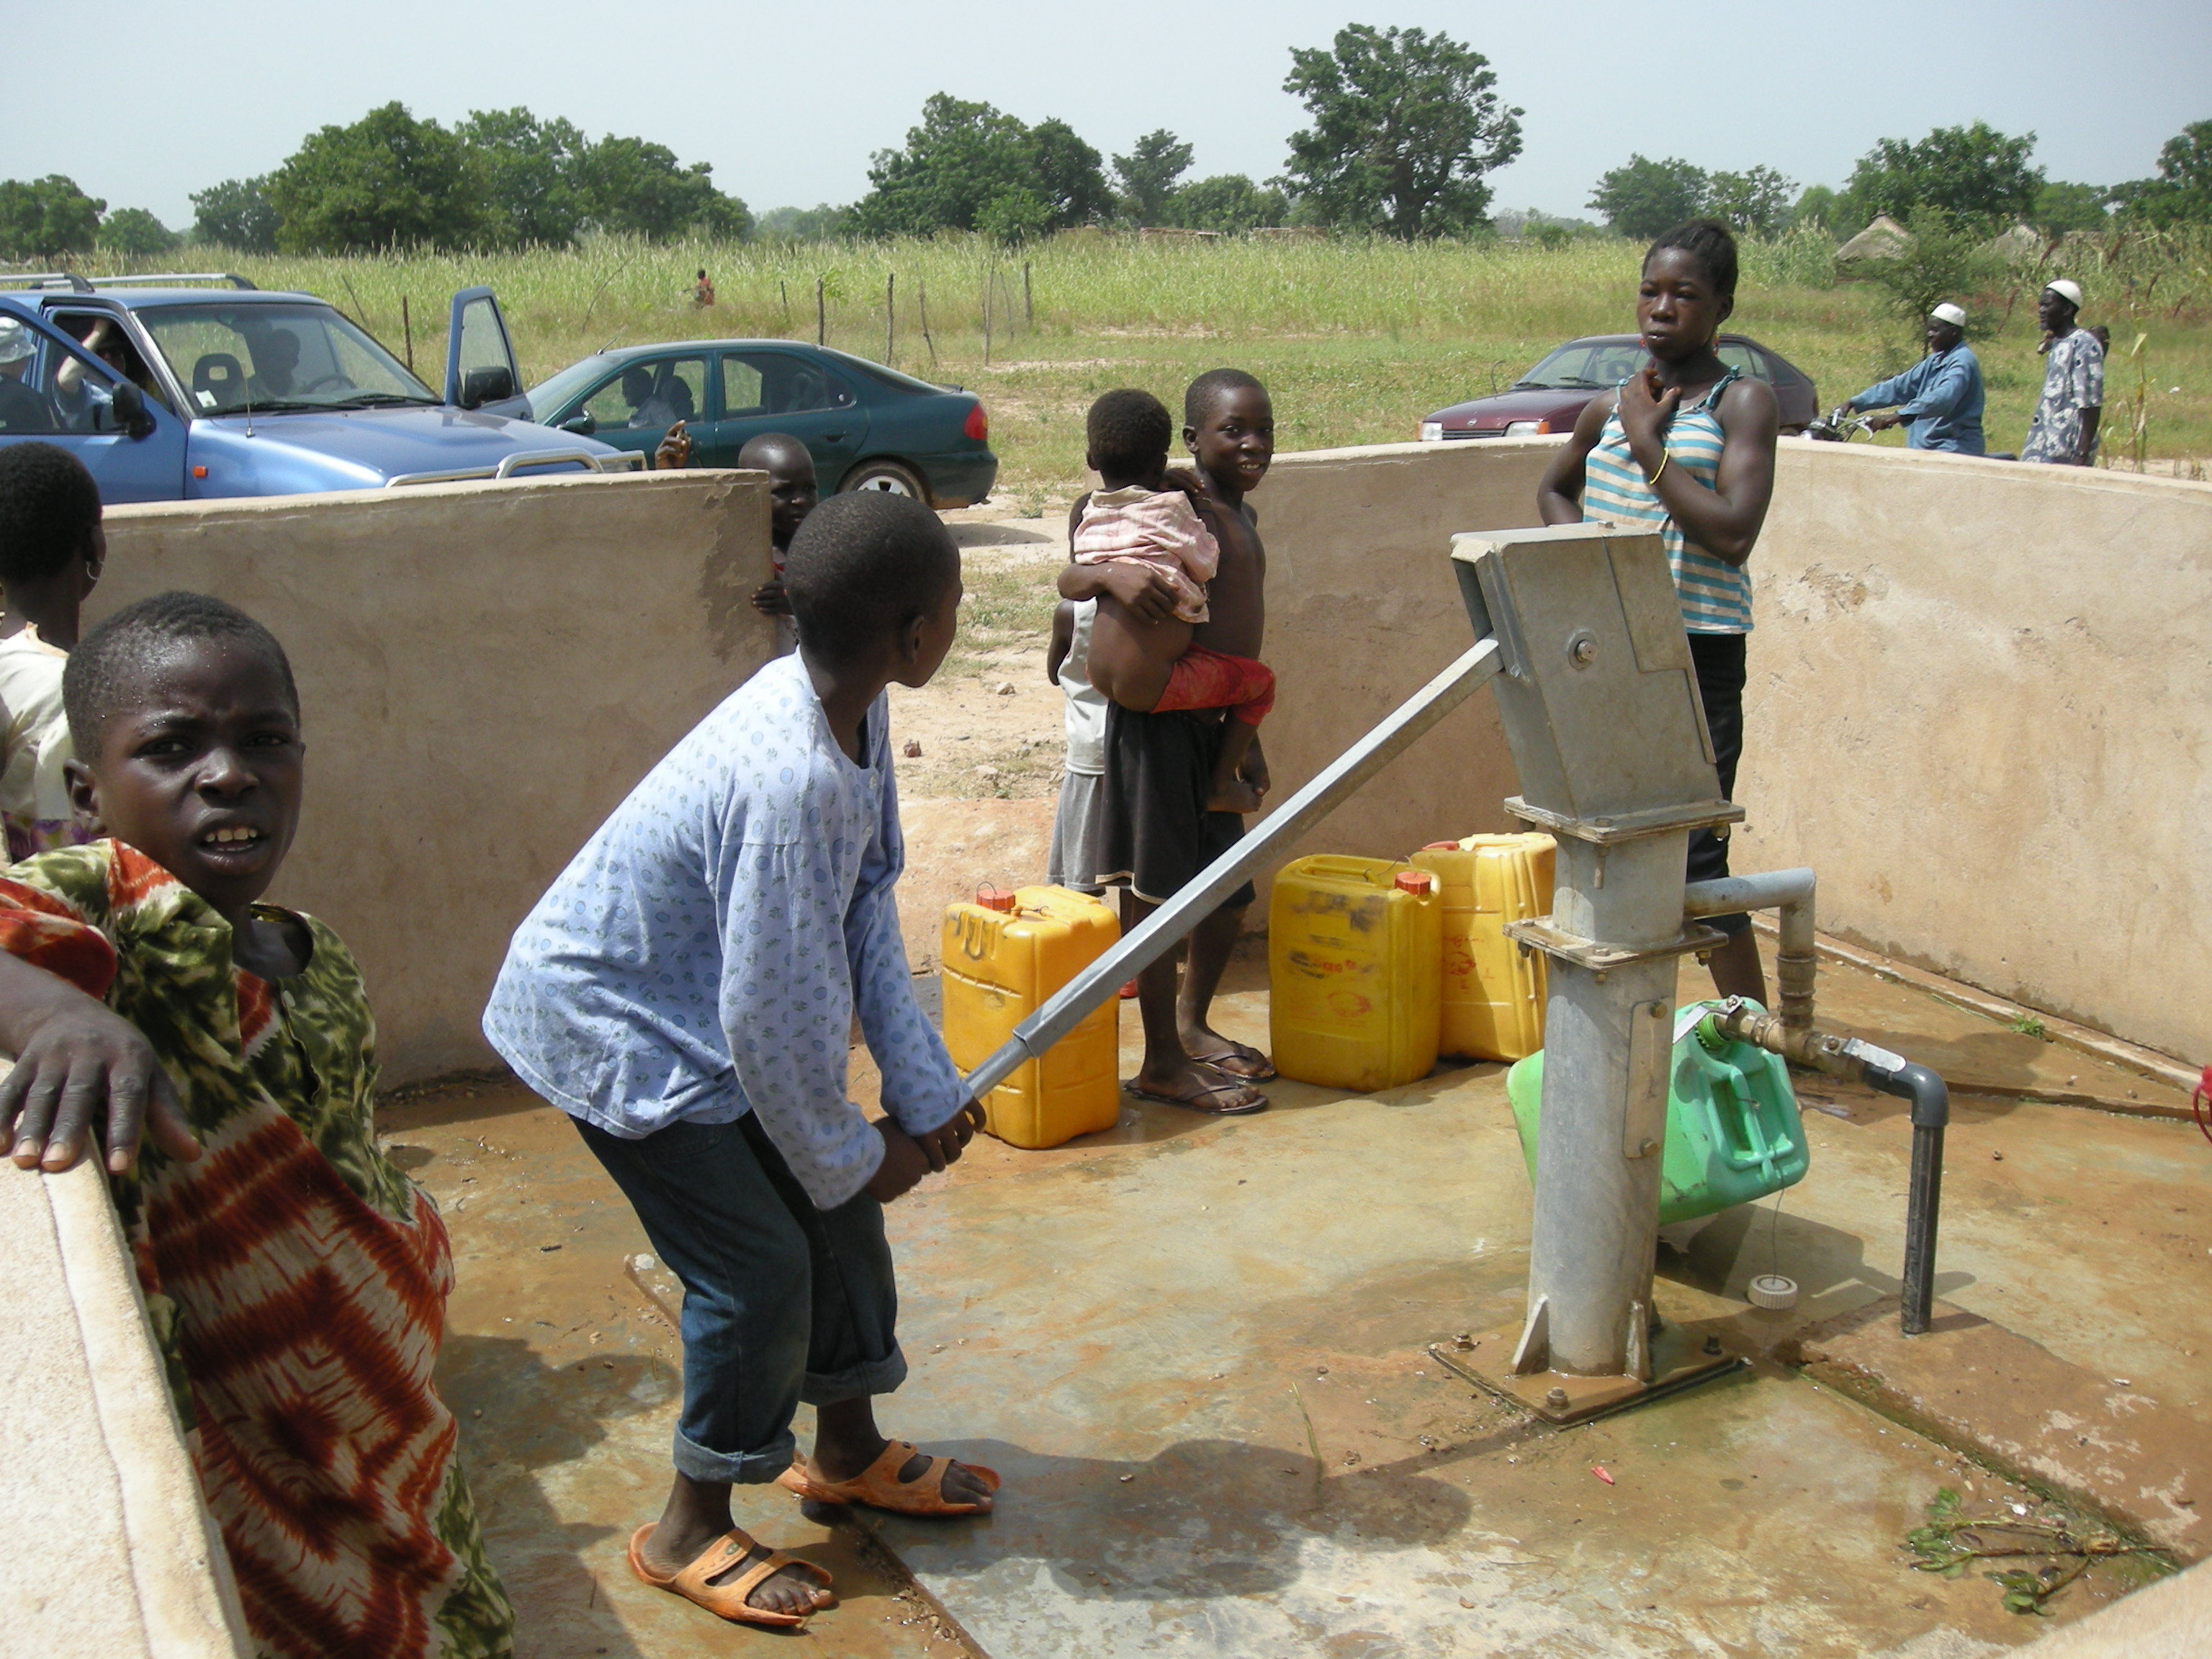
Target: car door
pixel 762 389
pixel 131 457
pixel 481 373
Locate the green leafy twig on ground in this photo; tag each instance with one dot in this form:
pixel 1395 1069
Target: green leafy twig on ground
pixel 1952 1541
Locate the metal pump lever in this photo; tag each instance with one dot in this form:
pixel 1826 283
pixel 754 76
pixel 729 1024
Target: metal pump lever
pixel 1161 931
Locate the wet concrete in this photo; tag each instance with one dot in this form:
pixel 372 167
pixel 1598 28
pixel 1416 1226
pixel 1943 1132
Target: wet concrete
pixel 1197 1351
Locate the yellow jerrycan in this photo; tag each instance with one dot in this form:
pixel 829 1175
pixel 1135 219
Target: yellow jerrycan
pixel 1493 994
pixel 1004 956
pixel 1355 972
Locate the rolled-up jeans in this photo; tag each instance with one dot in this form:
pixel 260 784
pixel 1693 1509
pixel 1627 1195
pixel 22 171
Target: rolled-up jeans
pixel 782 1302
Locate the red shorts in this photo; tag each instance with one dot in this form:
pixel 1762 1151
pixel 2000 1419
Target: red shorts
pixel 1208 679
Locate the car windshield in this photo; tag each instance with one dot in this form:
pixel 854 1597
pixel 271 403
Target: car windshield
pixel 551 394
pixel 279 356
pixel 1583 366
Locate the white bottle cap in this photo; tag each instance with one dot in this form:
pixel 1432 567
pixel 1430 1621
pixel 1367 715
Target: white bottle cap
pixel 1773 1292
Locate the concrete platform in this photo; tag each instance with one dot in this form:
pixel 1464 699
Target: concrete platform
pixel 1196 1351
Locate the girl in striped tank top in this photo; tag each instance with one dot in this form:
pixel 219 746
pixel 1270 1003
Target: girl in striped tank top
pixel 1686 445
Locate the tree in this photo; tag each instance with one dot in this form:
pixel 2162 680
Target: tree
pixel 1070 176
pixel 2182 192
pixel 959 157
pixel 530 169
pixel 966 157
pixel 1405 126
pixel 1014 214
pixel 1756 201
pixel 820 223
pixel 1946 256
pixel 386 180
pixel 1227 202
pixel 135 233
pixel 2060 208
pixel 236 214
pixel 1975 173
pixel 630 186
pixel 1646 198
pixel 1147 175
pixel 1820 207
pixel 46 218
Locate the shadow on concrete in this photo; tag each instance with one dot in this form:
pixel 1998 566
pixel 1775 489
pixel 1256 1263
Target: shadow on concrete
pixel 1829 1265
pixel 1200 1519
pixel 520 1417
pixel 997 533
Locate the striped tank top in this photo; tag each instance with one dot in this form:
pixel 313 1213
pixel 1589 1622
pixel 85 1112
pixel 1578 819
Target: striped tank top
pixel 1715 595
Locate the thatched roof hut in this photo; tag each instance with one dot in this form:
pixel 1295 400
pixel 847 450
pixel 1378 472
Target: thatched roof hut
pixel 1885 238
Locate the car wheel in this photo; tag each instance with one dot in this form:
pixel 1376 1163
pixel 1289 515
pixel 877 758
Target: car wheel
pixel 890 478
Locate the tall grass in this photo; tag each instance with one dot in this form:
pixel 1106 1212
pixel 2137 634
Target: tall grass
pixel 1358 339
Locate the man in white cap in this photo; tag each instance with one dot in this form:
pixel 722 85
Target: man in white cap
pixel 2065 430
pixel 1940 397
pixel 22 408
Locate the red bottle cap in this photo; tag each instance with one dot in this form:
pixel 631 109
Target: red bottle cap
pixel 1416 881
pixel 995 898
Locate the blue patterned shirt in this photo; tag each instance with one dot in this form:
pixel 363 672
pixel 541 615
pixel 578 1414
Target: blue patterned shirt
pixel 705 953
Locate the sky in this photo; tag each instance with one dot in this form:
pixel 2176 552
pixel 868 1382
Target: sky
pixel 788 102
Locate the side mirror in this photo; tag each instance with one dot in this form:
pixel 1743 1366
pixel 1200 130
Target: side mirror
pixel 487 385
pixel 583 425
pixel 130 416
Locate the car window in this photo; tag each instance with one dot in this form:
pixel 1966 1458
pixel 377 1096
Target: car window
pixel 1583 365
pixel 651 394
pixel 790 384
pixel 1738 356
pixel 277 355
pixel 743 385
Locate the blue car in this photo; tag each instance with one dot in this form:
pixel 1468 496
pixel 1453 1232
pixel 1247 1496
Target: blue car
pixel 203 387
pixel 867 426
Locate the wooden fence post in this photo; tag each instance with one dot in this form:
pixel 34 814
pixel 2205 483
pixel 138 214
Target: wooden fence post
pixel 891 312
pixel 821 316
pixel 921 301
pixel 987 273
pixel 1028 305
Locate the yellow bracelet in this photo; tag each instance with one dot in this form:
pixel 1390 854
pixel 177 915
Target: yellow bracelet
pixel 1665 456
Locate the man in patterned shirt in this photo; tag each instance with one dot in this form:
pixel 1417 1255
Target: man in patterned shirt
pixel 685 990
pixel 2065 430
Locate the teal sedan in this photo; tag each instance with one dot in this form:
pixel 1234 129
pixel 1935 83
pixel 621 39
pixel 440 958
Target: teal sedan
pixel 867 426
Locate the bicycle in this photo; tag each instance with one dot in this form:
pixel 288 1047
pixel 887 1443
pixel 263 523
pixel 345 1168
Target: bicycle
pixel 1840 425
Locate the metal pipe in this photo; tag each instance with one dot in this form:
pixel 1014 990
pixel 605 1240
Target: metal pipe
pixel 1200 897
pixel 1790 892
pixel 1892 1074
pixel 1931 1116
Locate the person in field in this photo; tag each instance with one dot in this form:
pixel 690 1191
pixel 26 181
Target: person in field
pixel 1686 447
pixel 295 1280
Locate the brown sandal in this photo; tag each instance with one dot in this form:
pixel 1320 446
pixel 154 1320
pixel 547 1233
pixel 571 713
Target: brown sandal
pixel 727 1600
pixel 879 1488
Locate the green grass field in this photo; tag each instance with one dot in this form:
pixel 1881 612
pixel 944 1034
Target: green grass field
pixel 1356 340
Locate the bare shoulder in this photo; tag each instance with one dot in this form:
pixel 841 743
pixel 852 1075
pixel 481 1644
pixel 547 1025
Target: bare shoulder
pixel 1748 407
pixel 1075 514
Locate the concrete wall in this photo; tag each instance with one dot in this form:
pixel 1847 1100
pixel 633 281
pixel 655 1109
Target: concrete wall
pixel 485 670
pixel 111 1554
pixel 1363 610
pixel 1979 701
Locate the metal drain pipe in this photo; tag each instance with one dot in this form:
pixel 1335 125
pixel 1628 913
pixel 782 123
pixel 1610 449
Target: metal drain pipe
pixel 1790 892
pixel 1892 1074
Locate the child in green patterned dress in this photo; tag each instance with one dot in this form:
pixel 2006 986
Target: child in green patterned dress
pixel 296 1279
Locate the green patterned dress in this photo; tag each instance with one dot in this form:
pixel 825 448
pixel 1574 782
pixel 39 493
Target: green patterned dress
pixel 297 1280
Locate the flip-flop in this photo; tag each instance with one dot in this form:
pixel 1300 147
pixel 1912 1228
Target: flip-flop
pixel 1195 1102
pixel 1239 1051
pixel 727 1600
pixel 879 1488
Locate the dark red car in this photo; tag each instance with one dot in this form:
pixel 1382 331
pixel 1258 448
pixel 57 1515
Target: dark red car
pixel 1549 397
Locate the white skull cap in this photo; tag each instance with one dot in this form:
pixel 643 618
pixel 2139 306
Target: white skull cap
pixel 2066 289
pixel 1948 313
pixel 14 341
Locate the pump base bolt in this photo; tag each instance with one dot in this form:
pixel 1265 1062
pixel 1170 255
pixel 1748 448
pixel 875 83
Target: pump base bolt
pixel 1712 1345
pixel 1555 1398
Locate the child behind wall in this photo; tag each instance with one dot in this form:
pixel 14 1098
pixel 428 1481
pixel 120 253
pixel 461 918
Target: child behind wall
pixel 52 548
pixel 1138 518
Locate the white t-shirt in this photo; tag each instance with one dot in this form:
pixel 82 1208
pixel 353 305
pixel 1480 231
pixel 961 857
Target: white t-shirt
pixel 1086 704
pixel 34 742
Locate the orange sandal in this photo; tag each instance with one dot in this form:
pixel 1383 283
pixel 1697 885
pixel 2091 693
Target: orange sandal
pixel 727 1600
pixel 879 1488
